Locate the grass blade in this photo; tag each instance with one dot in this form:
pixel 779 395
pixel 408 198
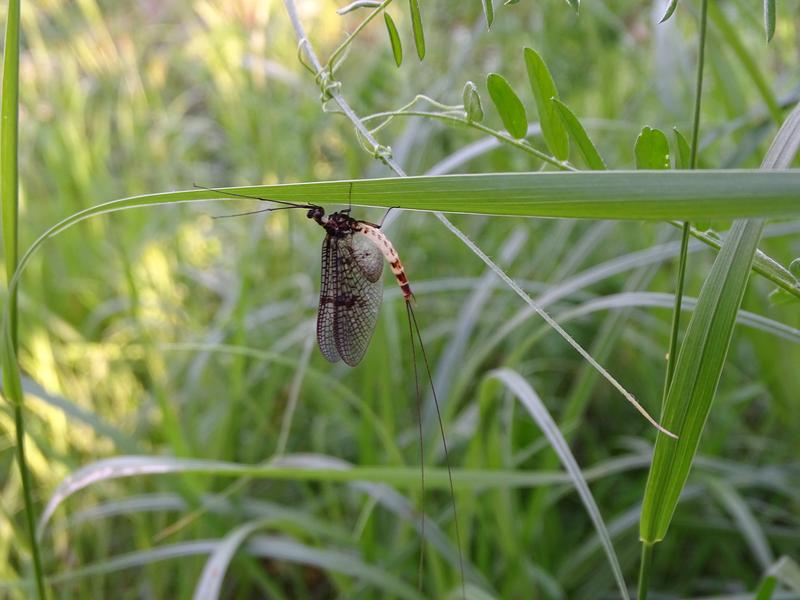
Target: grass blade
pixel 697 372
pixel 533 404
pixel 702 356
pixel 9 194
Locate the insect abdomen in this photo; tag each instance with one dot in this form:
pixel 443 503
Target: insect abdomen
pixel 388 251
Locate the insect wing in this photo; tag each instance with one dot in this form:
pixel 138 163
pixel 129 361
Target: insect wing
pixel 326 313
pixel 368 257
pixel 357 300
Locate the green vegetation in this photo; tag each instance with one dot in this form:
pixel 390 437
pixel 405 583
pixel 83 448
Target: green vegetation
pixel 185 438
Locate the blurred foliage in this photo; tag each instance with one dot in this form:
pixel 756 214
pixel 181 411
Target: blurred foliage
pixel 127 98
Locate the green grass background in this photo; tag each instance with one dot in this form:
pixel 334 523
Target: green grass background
pixel 162 332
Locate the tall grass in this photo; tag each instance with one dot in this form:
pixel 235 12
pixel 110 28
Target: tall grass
pixel 182 342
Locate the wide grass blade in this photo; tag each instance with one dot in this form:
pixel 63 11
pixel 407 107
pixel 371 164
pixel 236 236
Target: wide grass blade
pixel 697 372
pixel 701 359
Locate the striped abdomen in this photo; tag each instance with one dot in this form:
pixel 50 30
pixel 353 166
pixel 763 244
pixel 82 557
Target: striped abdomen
pixel 385 246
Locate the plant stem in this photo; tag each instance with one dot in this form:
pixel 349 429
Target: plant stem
pixel 644 570
pixel 9 168
pixel 647 548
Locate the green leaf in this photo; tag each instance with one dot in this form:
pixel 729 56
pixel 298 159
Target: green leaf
pixel 697 372
pixel 683 153
pixel 508 105
pixel 472 103
pixel 394 38
pixel 670 9
pixel 700 361
pixel 769 18
pixel 488 12
pixel 579 136
pixel 544 88
pixel 652 150
pixel 416 25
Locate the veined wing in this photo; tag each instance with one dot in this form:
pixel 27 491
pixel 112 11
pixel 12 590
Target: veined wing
pixel 359 292
pixel 327 298
pixel 350 297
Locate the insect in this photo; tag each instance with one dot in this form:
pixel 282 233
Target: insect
pixel 351 293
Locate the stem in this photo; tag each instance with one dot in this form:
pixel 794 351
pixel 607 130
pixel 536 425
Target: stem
pixel 9 166
pixel 644 570
pixel 647 548
pixel 331 66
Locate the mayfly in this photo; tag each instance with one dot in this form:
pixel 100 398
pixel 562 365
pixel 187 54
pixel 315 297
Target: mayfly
pixel 351 293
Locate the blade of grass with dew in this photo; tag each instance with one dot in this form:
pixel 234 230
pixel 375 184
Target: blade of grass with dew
pixel 701 358
pixel 9 198
pixel 514 382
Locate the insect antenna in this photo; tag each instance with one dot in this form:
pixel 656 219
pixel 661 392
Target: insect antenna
pixel 285 203
pixel 413 319
pixel 421 451
pixel 255 212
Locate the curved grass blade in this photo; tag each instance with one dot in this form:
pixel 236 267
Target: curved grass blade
pixel 544 89
pixel 533 404
pixel 416 26
pixel 394 39
pixel 578 134
pixel 508 105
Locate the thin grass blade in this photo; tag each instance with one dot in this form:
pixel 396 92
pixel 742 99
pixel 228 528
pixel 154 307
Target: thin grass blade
pixel 537 410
